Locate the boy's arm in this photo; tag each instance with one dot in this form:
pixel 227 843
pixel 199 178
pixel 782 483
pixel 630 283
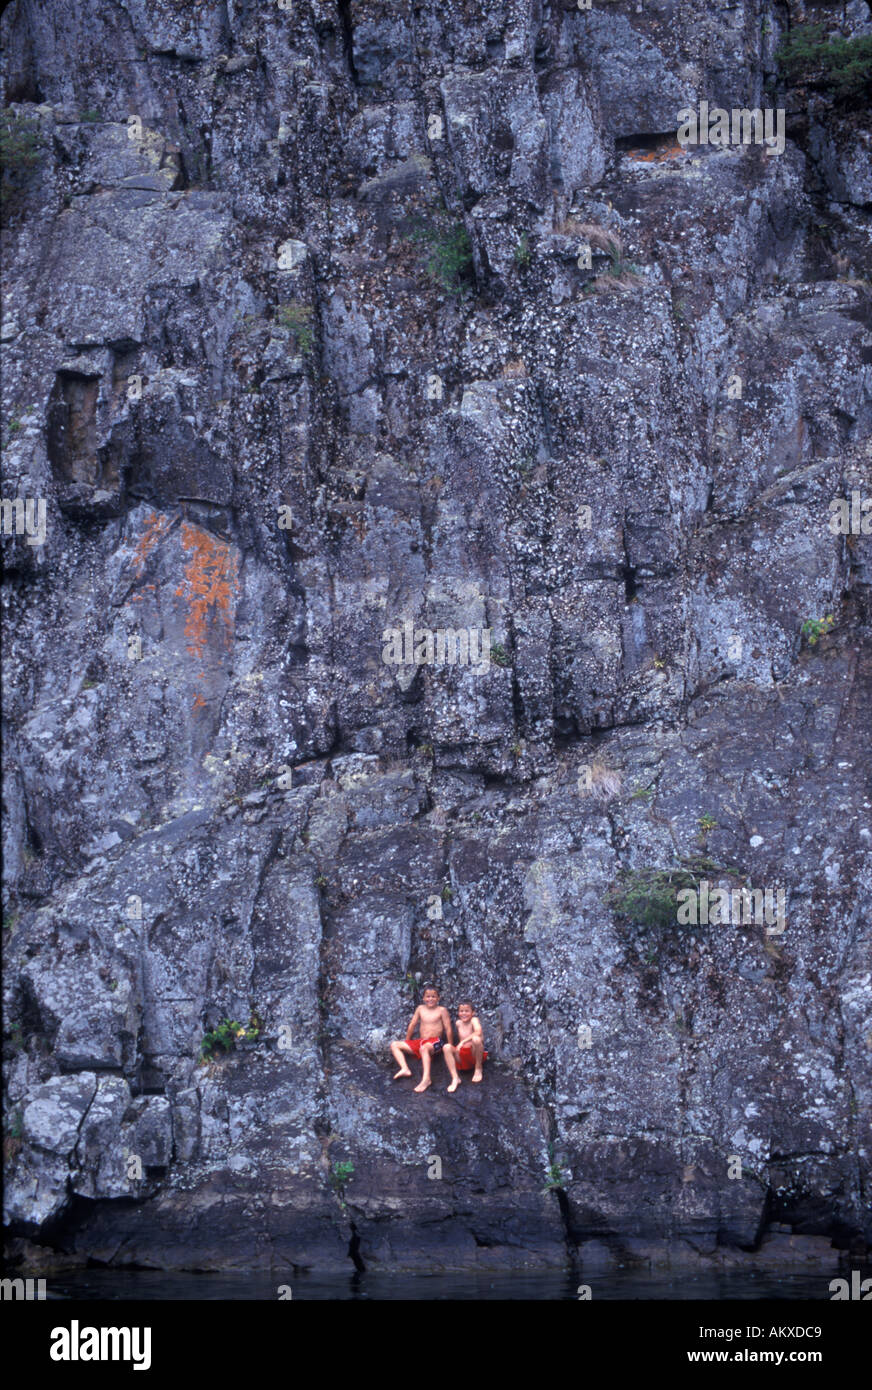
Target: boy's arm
pixel 446 1019
pixel 411 1028
pixel 476 1028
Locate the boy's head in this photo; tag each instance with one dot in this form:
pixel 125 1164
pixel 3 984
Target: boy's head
pixel 431 997
pixel 464 1011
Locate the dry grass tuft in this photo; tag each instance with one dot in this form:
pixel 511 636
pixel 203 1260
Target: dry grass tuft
pixel 622 276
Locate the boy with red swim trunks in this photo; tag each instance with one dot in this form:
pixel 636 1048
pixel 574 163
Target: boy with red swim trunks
pixel 432 1020
pixel 469 1051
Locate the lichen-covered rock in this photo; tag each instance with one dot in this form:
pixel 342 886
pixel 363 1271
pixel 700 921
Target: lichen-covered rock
pixel 330 332
pixel 51 1123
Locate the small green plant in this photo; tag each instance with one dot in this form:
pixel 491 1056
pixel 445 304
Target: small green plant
pixel 297 318
pixel 448 255
pixel 707 823
pixel 813 629
pixel 522 252
pixel 499 655
pixel 21 145
pixel 340 1174
pixel 447 893
pixel 13 1130
pixel 555 1180
pixel 12 1138
pixel 320 881
pixel 839 67
pixel 554 1175
pixel 90 116
pixel 641 793
pixel 517 749
pixel 14 426
pixel 679 310
pixel 226 1036
pixel 616 257
pixel 21 142
pixel 9 920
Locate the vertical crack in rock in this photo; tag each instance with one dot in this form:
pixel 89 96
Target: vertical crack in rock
pixel 345 21
pixel 354 1250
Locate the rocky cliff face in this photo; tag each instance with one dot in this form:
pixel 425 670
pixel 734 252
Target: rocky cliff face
pixel 321 319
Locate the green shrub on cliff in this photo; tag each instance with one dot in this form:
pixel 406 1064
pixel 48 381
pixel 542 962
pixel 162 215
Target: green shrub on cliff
pixel 836 65
pixel 648 897
pixel 226 1036
pixel 12 1137
pixel 522 252
pixel 813 629
pixel 20 142
pixel 448 257
pixel 21 146
pixel 297 318
pixel 555 1179
pixel 340 1174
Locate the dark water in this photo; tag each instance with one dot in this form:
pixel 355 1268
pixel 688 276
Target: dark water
pixel 538 1287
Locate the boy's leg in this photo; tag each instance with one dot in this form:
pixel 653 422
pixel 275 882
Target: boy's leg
pixel 426 1062
pixel 451 1063
pixel 477 1050
pixel 398 1049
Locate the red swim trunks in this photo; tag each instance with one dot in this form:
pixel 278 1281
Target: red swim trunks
pixel 417 1043
pixel 465 1059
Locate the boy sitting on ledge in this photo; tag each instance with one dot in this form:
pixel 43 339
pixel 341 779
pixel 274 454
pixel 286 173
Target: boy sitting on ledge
pixel 469 1051
pixel 432 1020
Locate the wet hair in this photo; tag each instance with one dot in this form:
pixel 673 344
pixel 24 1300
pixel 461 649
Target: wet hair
pixel 469 1004
pixel 427 989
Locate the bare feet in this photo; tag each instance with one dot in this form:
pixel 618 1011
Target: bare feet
pixel 423 1086
pixel 455 1083
pixel 477 1076
pixel 404 1071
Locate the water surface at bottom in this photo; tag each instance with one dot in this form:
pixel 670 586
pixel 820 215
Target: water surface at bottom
pixel 548 1287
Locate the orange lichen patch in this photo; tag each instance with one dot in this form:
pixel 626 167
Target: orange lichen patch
pixel 209 587
pixel 146 588
pixel 156 527
pixel 199 703
pixel 658 156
